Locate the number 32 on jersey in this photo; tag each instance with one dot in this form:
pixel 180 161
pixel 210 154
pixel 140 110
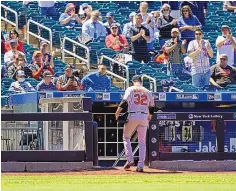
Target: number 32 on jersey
pixel 140 99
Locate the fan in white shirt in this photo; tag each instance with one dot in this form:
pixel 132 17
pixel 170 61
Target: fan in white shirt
pixel 226 44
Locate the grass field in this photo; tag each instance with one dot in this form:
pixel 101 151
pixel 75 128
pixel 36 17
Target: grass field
pixel 119 182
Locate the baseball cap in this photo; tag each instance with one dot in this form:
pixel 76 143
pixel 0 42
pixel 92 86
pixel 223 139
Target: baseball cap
pixel 109 14
pixel 47 74
pixel 223 55
pixel 225 26
pixel 68 66
pixel 137 78
pixel 84 5
pixel 70 5
pixel 20 73
pixel 43 43
pixel 132 14
pixel 13 41
pixel 175 30
pixel 36 53
pixel 114 25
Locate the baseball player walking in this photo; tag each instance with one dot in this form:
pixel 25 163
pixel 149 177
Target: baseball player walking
pixel 140 105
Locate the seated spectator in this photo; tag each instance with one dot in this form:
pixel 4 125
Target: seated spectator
pixel 13 34
pixel 222 74
pixel 47 8
pixel 200 51
pixel 9 57
pixel 165 24
pixel 69 18
pixel 226 44
pixel 46 83
pixel 139 36
pixel 199 9
pixel 230 6
pixel 85 12
pixel 38 66
pixel 188 23
pixel 115 40
pixel 81 72
pixel 188 62
pixel 47 56
pixel 175 48
pixel 67 81
pixel 110 20
pixel 19 64
pixel 156 15
pixel 2 44
pixel 162 58
pixel 97 80
pixel 127 26
pixel 21 86
pixel 93 27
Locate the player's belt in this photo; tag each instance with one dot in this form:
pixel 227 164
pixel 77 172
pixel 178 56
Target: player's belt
pixel 139 112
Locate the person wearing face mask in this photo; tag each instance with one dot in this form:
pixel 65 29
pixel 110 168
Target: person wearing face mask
pixel 69 18
pixel 116 41
pixel 38 66
pixel 93 27
pixel 21 86
pixel 226 44
pixel 222 74
pixel 175 48
pixel 46 84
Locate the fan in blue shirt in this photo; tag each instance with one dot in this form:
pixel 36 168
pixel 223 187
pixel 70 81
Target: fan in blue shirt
pixel 97 80
pixel 46 84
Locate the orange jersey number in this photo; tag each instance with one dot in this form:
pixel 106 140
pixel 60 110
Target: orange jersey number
pixel 140 99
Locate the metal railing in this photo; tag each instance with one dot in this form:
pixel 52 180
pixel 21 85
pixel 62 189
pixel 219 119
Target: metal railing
pixel 36 35
pixel 150 78
pixel 119 77
pixel 86 60
pixel 119 63
pixel 8 21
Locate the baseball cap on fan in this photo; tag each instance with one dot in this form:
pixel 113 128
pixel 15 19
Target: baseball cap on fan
pixel 136 78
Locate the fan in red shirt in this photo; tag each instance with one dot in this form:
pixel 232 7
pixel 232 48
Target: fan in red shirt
pixel 13 34
pixel 116 41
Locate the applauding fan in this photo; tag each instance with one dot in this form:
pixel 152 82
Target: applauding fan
pixel 200 50
pixel 116 41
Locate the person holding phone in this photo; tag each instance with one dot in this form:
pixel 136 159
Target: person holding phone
pixel 226 44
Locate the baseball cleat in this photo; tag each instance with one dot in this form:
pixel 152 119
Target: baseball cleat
pixel 139 169
pixel 128 165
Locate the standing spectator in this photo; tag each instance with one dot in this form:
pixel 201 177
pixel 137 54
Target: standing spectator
pixel 148 22
pixel 110 20
pixel 175 13
pixel 175 49
pixel 226 44
pixel 139 37
pixel 47 8
pixel 156 15
pixel 9 57
pixel 115 40
pixel 67 81
pixel 85 12
pixel 199 9
pixel 222 74
pixel 200 50
pixel 188 23
pixel 69 18
pixel 38 66
pixel 230 6
pixel 47 56
pixel 46 84
pixel 165 24
pixel 13 34
pixel 97 80
pixel 21 86
pixel 127 26
pixel 94 28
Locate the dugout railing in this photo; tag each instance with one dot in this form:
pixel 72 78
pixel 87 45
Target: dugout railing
pixel 169 140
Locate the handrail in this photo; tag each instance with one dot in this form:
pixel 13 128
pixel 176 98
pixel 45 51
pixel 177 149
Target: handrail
pixel 119 63
pixel 153 79
pixel 6 20
pixel 37 36
pixel 73 54
pixel 117 76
